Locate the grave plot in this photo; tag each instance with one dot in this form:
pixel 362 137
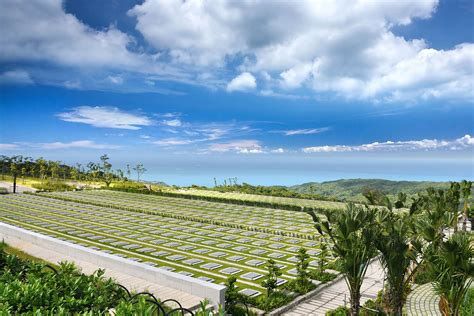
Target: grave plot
pixel 288 222
pixel 206 251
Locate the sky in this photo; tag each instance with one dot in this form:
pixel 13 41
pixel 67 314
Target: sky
pixel 270 92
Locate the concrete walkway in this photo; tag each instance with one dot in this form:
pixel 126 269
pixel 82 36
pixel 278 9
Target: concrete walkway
pixel 131 283
pixel 338 295
pixel 423 301
pixel 19 188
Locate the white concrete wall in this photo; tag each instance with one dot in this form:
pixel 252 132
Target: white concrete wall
pixel 214 292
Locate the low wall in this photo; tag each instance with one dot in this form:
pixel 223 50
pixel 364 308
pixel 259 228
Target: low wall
pixel 214 292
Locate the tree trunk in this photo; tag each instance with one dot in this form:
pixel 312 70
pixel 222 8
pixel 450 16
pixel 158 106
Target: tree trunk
pixel 355 303
pixel 14 183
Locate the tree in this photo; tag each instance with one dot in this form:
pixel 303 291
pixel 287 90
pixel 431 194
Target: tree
pixel 302 264
pixel 129 173
pixel 400 250
pixel 54 167
pixel 351 233
pixel 466 194
pixel 453 268
pixel 271 279
pixel 106 168
pixel 16 163
pixel 453 196
pixel 323 256
pixel 42 166
pixel 139 169
pixel 231 293
pixel 402 198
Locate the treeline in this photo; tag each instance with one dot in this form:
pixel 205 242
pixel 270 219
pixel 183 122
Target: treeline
pixel 20 166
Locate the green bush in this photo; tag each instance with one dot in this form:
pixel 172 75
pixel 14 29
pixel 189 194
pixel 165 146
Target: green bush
pixel 467 308
pixel 32 289
pixel 267 303
pixel 340 311
pixel 322 277
pixel 3 191
pixel 50 186
pixel 423 275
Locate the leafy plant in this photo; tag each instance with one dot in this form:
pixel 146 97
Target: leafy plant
pixel 453 268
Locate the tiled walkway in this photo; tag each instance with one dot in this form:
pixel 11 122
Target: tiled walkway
pixel 130 282
pixel 338 295
pixel 423 301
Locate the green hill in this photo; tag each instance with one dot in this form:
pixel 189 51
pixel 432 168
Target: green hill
pixel 351 189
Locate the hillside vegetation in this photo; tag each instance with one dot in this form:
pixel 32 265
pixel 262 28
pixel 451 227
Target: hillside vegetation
pixel 353 189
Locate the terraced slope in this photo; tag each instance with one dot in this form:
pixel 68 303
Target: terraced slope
pixel 265 198
pixel 195 238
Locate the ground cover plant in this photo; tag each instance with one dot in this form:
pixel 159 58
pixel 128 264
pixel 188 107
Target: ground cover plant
pixel 187 244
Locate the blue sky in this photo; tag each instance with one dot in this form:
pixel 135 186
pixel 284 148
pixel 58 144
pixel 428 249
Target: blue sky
pixel 270 92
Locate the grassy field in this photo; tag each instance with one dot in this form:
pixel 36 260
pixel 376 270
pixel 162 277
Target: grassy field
pixel 264 198
pixel 201 239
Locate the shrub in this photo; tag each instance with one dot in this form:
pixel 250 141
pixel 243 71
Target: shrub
pixel 323 277
pixel 50 186
pixel 340 311
pixel 3 191
pixel 467 308
pixel 275 300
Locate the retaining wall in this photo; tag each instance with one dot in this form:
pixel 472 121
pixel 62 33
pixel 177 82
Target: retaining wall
pixel 215 293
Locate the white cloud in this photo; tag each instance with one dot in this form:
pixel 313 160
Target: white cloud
pixel 40 30
pixel 15 77
pixel 172 123
pixel 106 117
pixel 342 47
pixel 238 146
pixel 243 82
pixel 327 47
pixel 306 131
pixel 75 144
pixel 173 142
pixel 9 146
pixel 145 136
pixel 85 144
pixel 116 79
pixel 465 142
pixel 278 151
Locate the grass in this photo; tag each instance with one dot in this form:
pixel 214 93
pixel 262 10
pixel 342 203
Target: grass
pixel 181 232
pixel 25 256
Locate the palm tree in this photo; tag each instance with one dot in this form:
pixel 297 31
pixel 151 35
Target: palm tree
pixel 399 250
pixel 466 194
pixel 351 232
pixel 453 268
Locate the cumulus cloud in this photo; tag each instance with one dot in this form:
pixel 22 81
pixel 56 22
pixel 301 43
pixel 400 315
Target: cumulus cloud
pixel 343 48
pixel 105 117
pixel 464 142
pixel 239 146
pixel 243 82
pixel 41 30
pixel 306 131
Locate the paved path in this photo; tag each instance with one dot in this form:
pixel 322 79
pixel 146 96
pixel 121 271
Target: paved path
pixel 423 301
pixel 131 283
pixel 338 295
pixel 19 188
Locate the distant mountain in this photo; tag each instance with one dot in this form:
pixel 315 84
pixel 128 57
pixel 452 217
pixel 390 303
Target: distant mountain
pixel 351 189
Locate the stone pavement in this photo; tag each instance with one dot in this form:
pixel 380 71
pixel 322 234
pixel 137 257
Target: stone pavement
pixel 338 295
pixel 131 283
pixel 423 301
